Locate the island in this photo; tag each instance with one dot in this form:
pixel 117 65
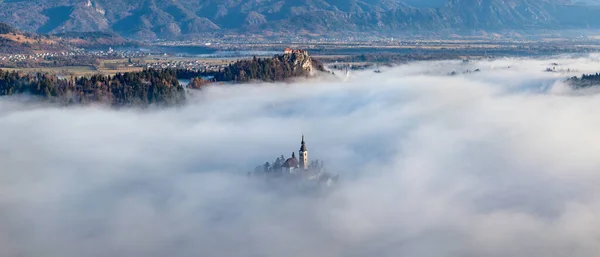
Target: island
pixel 296 173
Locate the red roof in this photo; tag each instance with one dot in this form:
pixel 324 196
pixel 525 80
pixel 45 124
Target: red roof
pixel 290 163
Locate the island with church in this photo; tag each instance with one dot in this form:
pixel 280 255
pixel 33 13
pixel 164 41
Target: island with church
pixel 298 170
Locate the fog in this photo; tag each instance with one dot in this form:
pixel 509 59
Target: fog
pixel 501 162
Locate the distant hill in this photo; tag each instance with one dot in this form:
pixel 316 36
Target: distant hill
pixel 14 41
pixel 174 19
pixel 94 39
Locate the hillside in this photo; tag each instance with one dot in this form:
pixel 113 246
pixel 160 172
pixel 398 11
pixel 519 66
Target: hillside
pixel 13 41
pixel 278 68
pixel 94 39
pixel 175 19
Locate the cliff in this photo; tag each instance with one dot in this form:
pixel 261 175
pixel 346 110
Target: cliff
pixel 306 64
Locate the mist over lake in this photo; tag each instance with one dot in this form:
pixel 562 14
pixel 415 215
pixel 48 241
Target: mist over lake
pixel 499 162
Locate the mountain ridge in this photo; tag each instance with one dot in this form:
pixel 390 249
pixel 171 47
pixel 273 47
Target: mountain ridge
pixel 177 19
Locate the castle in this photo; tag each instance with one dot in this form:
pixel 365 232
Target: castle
pixel 295 51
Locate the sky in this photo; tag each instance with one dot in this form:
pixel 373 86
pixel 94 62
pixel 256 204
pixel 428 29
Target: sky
pixel 501 162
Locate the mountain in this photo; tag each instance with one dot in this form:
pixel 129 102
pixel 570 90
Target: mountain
pixel 178 19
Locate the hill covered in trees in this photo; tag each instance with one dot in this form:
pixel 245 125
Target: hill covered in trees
pixel 278 68
pixel 159 87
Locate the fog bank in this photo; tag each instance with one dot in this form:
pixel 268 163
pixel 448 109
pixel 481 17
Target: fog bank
pixel 500 162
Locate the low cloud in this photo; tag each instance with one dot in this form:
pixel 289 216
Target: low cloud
pixel 501 162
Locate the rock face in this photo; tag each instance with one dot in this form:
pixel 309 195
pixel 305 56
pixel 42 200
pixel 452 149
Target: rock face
pixel 302 62
pixel 172 19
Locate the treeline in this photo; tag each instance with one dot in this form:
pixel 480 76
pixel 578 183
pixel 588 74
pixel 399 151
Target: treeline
pixel 277 68
pixel 586 80
pixel 144 88
pixel 277 166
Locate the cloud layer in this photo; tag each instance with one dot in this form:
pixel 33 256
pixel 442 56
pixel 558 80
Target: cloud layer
pixel 501 162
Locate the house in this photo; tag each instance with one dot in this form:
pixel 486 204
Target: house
pixel 291 164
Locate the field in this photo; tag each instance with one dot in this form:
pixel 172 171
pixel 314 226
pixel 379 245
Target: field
pixel 76 71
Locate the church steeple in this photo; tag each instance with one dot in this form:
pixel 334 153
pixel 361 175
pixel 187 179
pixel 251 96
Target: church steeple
pixel 303 144
pixel 303 155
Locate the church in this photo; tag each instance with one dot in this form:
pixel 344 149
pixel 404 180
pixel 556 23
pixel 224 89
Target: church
pixel 292 165
pixel 297 168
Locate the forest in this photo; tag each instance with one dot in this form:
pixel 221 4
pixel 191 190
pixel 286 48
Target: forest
pixel 586 80
pixel 277 165
pixel 278 68
pixel 148 87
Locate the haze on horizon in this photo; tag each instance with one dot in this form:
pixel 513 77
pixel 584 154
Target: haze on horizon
pixel 502 162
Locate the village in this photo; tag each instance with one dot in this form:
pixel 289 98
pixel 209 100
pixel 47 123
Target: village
pixel 110 53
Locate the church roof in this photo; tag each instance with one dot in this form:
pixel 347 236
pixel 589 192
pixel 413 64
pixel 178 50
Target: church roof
pixel 303 145
pixel 290 163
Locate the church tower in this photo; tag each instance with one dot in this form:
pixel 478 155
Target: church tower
pixel 303 155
